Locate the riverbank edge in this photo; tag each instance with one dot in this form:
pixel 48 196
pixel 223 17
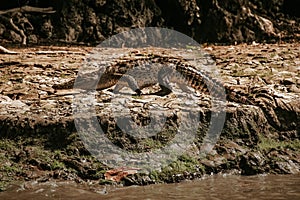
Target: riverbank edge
pixel 41 154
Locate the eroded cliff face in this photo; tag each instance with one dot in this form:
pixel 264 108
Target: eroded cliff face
pixel 92 21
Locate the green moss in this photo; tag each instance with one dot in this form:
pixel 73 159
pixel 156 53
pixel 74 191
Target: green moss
pixel 6 145
pixel 191 47
pixel 184 164
pixel 188 159
pixel 3 186
pixel 106 182
pixel 63 75
pixel 149 143
pixel 135 96
pixel 269 143
pixel 57 165
pixel 10 169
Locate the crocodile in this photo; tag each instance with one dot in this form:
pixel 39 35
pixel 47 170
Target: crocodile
pixel 150 69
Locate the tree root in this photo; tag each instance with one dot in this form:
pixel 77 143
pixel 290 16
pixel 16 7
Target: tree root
pixel 15 27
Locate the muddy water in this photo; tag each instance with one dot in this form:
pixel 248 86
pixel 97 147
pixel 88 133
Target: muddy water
pixel 214 187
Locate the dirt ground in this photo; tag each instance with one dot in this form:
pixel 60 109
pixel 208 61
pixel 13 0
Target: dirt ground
pixel 39 140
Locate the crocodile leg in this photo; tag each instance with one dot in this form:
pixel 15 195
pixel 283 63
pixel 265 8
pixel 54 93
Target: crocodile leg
pixel 164 81
pixel 130 82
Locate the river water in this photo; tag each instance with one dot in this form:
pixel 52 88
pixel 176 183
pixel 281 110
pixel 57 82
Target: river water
pixel 263 187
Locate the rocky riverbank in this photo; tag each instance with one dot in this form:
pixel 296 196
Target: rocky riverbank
pixel 39 141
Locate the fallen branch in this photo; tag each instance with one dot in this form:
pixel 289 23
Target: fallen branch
pixel 48 10
pixel 6 51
